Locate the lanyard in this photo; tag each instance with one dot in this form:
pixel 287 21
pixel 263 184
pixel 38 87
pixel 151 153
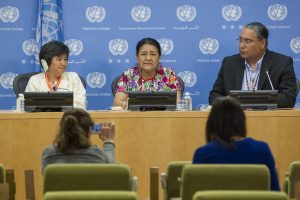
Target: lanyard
pixel 253 81
pixel 50 85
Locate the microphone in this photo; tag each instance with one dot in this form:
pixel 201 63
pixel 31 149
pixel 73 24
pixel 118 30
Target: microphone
pixel 54 88
pixel 267 72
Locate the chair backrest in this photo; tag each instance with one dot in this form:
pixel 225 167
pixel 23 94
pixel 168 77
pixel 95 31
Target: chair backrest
pixel 174 171
pixel 91 195
pixel 239 195
pixel 182 85
pixel 294 180
pixel 7 183
pixel 83 81
pixel 2 174
pixel 20 82
pixel 223 177
pixel 298 85
pixel 114 84
pixel 116 80
pixel 285 185
pixel 4 187
pixel 64 177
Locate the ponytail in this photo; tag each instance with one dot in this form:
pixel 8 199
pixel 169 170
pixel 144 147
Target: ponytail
pixel 74 130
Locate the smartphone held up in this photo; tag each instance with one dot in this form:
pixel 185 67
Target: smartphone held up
pixel 96 128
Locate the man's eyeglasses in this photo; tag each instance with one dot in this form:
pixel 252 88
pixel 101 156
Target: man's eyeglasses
pixel 246 42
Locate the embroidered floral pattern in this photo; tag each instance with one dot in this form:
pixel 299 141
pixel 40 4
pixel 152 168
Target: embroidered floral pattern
pixel 164 80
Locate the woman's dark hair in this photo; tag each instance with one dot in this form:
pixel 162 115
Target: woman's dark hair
pixel 74 131
pixel 150 41
pixel 51 49
pixel 226 119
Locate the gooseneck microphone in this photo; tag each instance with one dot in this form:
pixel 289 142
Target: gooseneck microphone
pixel 267 72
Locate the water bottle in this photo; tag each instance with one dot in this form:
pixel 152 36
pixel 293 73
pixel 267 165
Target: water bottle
pixel 20 103
pixel 188 101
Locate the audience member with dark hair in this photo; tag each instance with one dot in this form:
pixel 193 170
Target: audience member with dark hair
pixel 249 69
pixel 148 75
pixel 54 60
pixel 227 142
pixel 72 143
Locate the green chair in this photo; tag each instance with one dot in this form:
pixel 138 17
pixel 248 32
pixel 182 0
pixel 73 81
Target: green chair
pixel 171 181
pixel 239 195
pixel 2 174
pixel 294 180
pixel 91 195
pixel 223 177
pixel 285 185
pixel 4 187
pixel 7 183
pixel 70 177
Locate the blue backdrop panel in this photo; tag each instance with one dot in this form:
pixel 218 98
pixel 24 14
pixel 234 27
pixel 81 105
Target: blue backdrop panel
pixel 102 35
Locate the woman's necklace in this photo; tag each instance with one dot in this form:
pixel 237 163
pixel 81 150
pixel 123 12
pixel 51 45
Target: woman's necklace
pixel 51 85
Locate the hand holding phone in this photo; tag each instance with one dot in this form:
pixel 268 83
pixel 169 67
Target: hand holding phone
pixel 107 132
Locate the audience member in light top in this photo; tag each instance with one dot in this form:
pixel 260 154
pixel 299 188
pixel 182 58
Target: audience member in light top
pixel 227 141
pixel 72 144
pixel 54 60
pixel 148 75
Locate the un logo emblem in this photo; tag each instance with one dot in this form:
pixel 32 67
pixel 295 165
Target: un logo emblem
pixel 96 79
pixel 30 47
pixel 295 45
pixel 166 45
pixel 189 78
pixel 277 12
pixel 51 25
pixel 9 14
pixel 140 13
pixel 95 13
pixel 231 12
pixel 75 46
pixel 186 13
pixel 118 46
pixel 209 46
pixel 7 79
